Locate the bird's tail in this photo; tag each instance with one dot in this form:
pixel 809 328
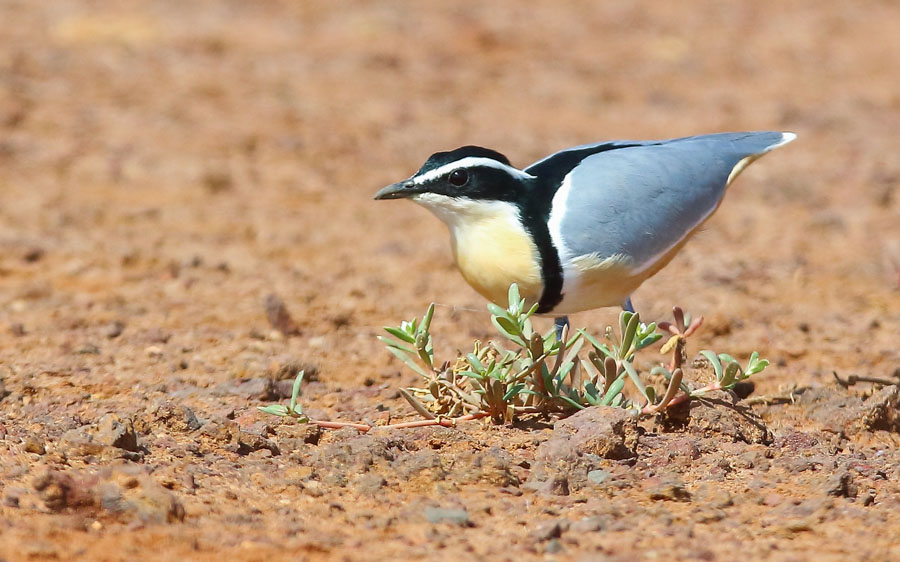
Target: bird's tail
pixel 751 146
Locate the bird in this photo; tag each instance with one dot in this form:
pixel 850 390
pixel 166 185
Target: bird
pixel 584 227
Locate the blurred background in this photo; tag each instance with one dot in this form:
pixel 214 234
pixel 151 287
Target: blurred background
pixel 167 165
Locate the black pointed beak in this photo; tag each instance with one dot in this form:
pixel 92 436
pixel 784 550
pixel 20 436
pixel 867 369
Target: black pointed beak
pixel 400 190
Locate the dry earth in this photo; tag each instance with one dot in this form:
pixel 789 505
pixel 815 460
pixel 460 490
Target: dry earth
pixel 166 166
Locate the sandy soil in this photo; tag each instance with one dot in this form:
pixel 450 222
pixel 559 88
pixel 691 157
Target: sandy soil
pixel 166 166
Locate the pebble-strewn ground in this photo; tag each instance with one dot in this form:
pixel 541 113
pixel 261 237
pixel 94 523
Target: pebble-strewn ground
pixel 167 166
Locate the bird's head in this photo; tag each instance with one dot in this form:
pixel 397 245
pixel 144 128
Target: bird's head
pixel 461 179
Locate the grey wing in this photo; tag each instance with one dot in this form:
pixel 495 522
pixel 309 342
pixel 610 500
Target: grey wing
pixel 641 201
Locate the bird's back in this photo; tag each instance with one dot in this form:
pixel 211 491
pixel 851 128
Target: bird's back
pixel 631 205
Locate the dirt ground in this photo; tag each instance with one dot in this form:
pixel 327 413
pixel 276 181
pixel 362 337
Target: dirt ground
pixel 166 166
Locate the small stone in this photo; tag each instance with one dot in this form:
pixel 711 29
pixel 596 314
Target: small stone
pixel 547 483
pixel 682 449
pixel 668 489
pixel 157 335
pixel 840 485
pixel 34 445
pixel 115 432
pixel 797 525
pixel 495 464
pixel 130 493
pixel 37 549
pixel 33 254
pixel 607 432
pixel 88 349
pixel 709 515
pixel 114 329
pixel 60 490
pixel 459 517
pixel 772 500
pixel 173 416
pixel 752 459
pixel 79 442
pixel 188 482
pixel 866 499
pixel 713 496
pixel 229 436
pixel 313 488
pixel 153 352
pixel 843 413
pixel 588 525
pixel 553 547
pixel 17 329
pixel 13 495
pixel 598 477
pixel 882 410
pixel 549 530
pixel 301 433
pixel 368 483
pixel 286 369
pixel 217 181
pixel 279 317
pixel 798 464
pixel 424 465
pixel 257 389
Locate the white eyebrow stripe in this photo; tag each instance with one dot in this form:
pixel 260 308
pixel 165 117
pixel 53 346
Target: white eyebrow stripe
pixel 469 162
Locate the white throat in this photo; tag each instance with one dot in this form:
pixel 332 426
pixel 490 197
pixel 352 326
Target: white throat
pixel 461 212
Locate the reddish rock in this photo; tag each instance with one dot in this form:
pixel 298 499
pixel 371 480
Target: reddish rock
pixel 606 432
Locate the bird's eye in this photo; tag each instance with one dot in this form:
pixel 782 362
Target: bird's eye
pixel 459 178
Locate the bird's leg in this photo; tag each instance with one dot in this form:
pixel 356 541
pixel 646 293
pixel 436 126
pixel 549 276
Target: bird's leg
pixel 627 306
pixel 561 323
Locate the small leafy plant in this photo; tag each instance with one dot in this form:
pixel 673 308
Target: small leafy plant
pixel 293 409
pixel 530 373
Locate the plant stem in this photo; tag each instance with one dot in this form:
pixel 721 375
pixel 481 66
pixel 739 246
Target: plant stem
pixel 684 397
pixel 364 427
pixel 853 379
pixel 444 422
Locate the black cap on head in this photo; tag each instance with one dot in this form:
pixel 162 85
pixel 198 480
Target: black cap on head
pixel 481 179
pixel 439 159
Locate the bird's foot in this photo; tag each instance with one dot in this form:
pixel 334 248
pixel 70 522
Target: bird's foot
pixel 561 323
